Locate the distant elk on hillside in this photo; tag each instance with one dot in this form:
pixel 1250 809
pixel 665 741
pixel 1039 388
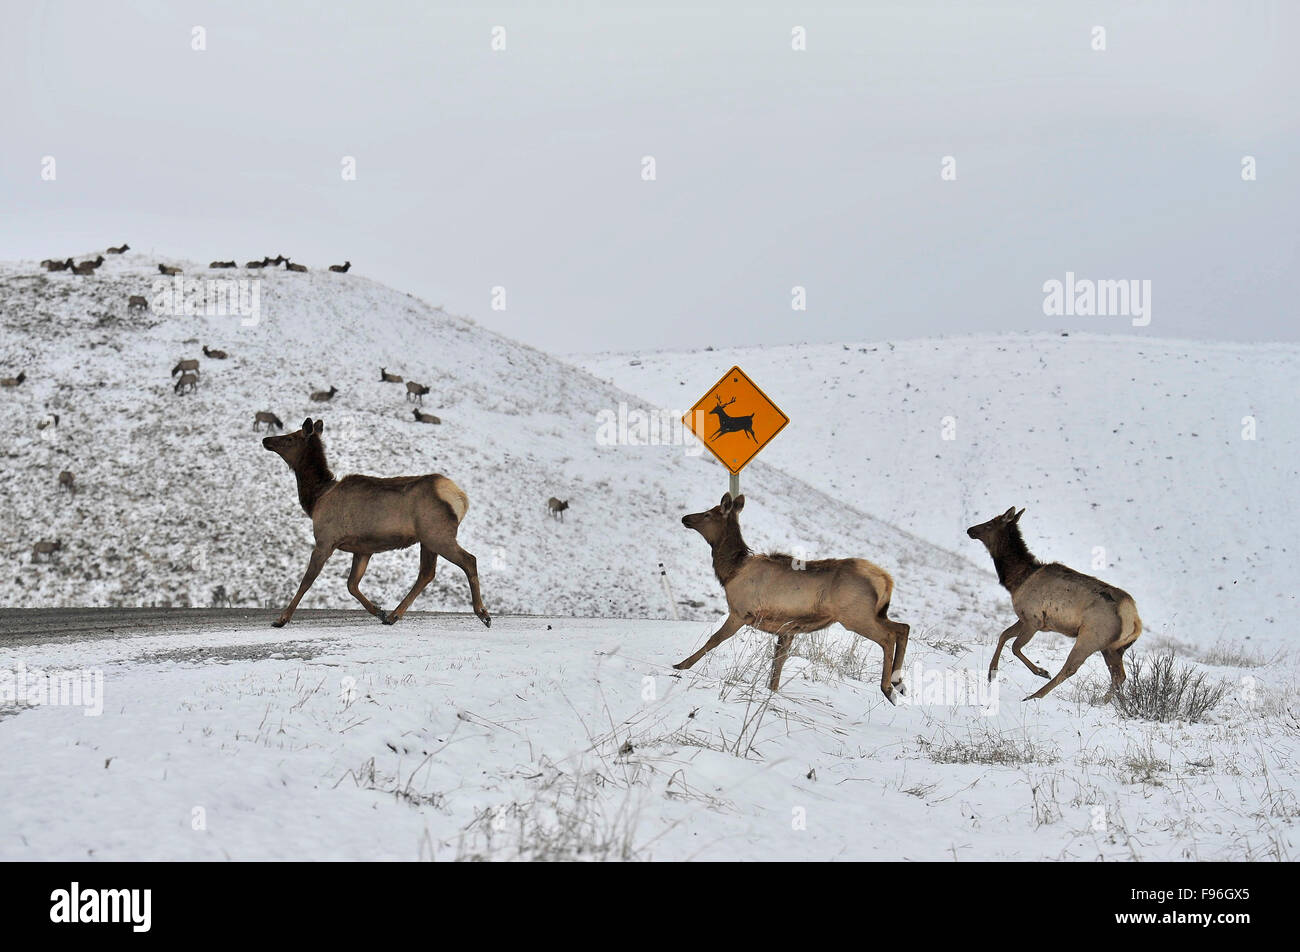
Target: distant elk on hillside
pixel 47 549
pixel 386 377
pixel 270 419
pixel 168 269
pixel 188 364
pixel 67 481
pixel 137 302
pixel 14 381
pixel 290 266
pixel 324 396
pixel 214 354
pixel 223 264
pixel 187 382
pixel 119 249
pixel 416 391
pixel 421 417
pixel 341 268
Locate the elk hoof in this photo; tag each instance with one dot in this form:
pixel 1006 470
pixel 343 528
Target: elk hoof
pixel 279 623
pixel 892 697
pixel 902 688
pixel 386 618
pixel 485 618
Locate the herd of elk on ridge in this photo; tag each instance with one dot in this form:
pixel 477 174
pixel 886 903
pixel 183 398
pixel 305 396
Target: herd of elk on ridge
pixel 774 593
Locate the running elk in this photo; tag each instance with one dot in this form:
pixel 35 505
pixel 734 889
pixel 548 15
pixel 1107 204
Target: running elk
pixel 270 419
pixel 556 507
pixel 47 549
pixel 368 514
pixel 416 391
pixel 341 268
pixel 190 363
pixel 290 266
pixel 137 302
pixel 1052 597
pixel 67 481
pixel 119 249
pixel 214 354
pixel 421 417
pixel 386 377
pixel 187 381
pixel 786 596
pixel 13 381
pixel 731 424
pixel 325 396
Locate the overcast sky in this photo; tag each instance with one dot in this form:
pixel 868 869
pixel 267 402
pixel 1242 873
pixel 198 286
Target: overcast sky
pixel 820 168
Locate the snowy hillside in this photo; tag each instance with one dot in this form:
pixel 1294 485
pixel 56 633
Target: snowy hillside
pixel 176 496
pixel 1125 450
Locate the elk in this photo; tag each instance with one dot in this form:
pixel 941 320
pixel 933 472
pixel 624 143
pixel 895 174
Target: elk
pixel 368 514
pixel 1052 597
pixel 187 381
pixel 47 549
pixel 67 481
pixel 290 266
pixel 57 265
pixel 415 390
pixel 277 261
pixel 556 507
pixel 92 264
pixel 214 354
pixel 85 267
pixel 119 249
pixel 14 381
pixel 786 597
pixel 223 264
pixel 137 302
pixel 258 264
pixel 168 269
pixel 731 424
pixel 324 396
pixel 424 417
pixel 386 377
pixel 270 419
pixel 190 363
pixel 341 268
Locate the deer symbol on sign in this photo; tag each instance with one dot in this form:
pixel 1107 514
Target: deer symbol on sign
pixel 731 424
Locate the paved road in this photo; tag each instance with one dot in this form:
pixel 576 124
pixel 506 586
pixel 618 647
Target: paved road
pixel 19 626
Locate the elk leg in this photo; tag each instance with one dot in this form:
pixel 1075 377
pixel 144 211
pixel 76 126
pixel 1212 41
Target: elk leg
pixel 319 556
pixel 901 631
pixel 1076 657
pixel 873 629
pixel 997 653
pixel 428 565
pixel 729 627
pixel 454 554
pixel 359 563
pixel 783 643
pixel 1115 661
pixel 1026 635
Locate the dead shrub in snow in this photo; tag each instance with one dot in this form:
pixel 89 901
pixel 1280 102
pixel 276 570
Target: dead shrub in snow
pixel 986 747
pixel 1159 688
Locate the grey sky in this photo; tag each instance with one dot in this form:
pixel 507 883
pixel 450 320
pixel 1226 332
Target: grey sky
pixel 775 168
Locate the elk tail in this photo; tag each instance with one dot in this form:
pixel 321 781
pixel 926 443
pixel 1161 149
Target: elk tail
pixel 453 496
pixel 1130 624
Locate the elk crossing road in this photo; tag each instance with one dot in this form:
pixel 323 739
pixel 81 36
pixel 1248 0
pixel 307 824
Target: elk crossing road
pixel 735 420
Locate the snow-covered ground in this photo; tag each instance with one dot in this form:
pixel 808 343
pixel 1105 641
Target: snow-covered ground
pixel 1127 454
pixel 553 738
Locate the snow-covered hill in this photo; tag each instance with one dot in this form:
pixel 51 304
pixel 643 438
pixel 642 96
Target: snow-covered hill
pixel 1127 453
pixel 175 495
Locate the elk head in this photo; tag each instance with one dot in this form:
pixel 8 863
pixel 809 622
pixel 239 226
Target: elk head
pixel 712 523
pixel 987 532
pixel 293 447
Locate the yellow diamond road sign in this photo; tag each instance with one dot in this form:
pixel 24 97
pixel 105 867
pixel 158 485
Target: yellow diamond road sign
pixel 735 420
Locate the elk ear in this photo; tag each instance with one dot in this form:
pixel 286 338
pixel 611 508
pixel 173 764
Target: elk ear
pixel 739 503
pixel 320 427
pixel 1018 515
pixel 306 427
pixel 1009 515
pixel 726 501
